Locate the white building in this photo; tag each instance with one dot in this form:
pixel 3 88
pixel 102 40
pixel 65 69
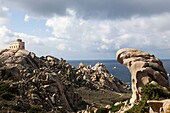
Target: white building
pixel 17 45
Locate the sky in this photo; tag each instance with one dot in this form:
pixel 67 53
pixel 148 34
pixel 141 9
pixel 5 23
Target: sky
pixel 86 29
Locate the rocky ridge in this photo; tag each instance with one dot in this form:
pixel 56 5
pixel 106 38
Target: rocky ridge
pixel 98 77
pixel 46 84
pixel 34 84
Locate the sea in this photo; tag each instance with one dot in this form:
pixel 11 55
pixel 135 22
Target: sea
pixel 115 68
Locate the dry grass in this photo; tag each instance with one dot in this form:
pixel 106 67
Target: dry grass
pixel 101 98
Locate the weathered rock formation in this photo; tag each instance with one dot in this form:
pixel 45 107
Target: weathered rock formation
pixel 28 82
pixel 98 77
pixel 144 68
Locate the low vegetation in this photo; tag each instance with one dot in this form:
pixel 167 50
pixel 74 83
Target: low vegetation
pixel 7 96
pixel 3 86
pixel 35 109
pixel 101 98
pixel 115 108
pixel 149 92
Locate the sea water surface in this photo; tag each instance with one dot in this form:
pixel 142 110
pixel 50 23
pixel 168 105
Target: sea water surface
pixel 115 68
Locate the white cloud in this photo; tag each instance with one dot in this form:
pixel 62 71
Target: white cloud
pixel 4 31
pixel 59 24
pixel 85 37
pixel 110 35
pixel 93 9
pixel 103 47
pixel 41 46
pixel 3 20
pixel 27 18
pixel 61 47
pixel 7 36
pixel 3 14
pixel 5 9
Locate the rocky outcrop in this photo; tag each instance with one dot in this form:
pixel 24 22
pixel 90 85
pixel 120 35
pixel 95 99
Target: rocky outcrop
pixel 98 77
pixel 30 83
pixel 159 106
pixel 144 68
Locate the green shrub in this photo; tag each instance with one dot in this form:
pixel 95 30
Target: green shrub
pixel 7 76
pixel 19 108
pixel 4 86
pixel 16 108
pixel 102 110
pixel 117 107
pixel 153 92
pixel 112 109
pixel 141 107
pixel 7 96
pixel 149 92
pixel 35 109
pixel 13 89
pixel 32 109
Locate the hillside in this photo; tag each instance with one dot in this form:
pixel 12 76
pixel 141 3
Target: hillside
pixel 47 84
